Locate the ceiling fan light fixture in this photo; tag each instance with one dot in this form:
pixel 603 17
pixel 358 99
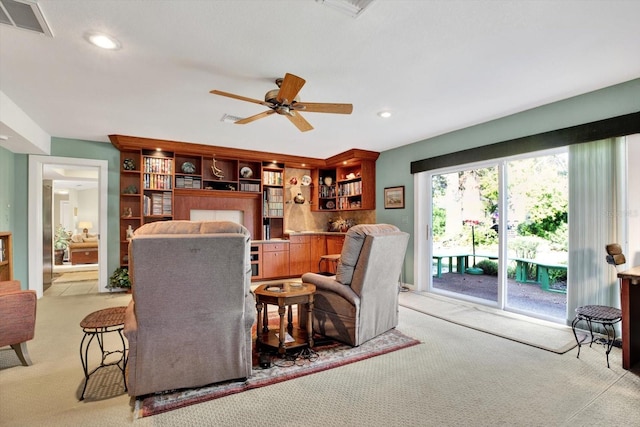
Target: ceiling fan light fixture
pixel 285 102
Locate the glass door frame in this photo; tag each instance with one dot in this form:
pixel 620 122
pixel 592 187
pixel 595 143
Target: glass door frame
pixel 424 226
pixel 423 242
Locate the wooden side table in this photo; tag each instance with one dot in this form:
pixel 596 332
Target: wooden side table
pixel 284 295
pixel 95 325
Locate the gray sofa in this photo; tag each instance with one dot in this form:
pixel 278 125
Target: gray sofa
pixel 361 301
pixel 189 323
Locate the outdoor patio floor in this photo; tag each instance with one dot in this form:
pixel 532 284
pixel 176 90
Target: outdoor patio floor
pixel 527 297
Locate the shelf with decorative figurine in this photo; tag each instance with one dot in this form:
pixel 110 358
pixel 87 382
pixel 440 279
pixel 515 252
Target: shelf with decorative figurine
pixel 188 171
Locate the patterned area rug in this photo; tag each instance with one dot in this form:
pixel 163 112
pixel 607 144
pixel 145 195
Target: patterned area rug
pixel 327 356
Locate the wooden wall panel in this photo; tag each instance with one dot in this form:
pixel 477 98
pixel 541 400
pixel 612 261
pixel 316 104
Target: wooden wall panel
pixel 183 203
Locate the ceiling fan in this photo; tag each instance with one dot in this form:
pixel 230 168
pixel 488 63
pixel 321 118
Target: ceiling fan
pixel 285 101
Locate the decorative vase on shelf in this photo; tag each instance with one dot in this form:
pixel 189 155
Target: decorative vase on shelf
pixel 299 199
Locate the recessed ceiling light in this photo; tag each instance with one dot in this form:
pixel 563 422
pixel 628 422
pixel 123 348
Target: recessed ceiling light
pixel 102 40
pixel 384 114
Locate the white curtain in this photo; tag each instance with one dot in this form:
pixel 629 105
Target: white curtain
pixel 597 203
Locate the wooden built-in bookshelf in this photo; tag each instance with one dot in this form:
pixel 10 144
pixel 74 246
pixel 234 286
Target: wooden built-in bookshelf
pixel 162 180
pixel 6 256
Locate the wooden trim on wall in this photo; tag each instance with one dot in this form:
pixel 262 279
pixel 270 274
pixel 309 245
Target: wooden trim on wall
pixel 608 128
pixel 125 142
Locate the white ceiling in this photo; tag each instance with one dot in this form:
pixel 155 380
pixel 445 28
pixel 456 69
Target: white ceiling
pixel 438 65
pixel 67 177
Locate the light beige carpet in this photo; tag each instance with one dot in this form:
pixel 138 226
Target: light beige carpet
pixel 77 276
pixel 457 377
pixel 545 335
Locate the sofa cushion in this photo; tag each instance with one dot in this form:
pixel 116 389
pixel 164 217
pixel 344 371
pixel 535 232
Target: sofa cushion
pixel 353 242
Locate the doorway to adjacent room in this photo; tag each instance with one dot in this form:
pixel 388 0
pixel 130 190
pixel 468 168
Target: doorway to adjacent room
pixel 45 214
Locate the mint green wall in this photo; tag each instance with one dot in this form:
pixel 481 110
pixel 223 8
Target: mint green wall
pixel 15 191
pixel 61 147
pixel 7 193
pixel 8 205
pixel 13 208
pixel 393 166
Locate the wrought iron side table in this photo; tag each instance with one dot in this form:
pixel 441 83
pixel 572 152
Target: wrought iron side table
pixel 95 325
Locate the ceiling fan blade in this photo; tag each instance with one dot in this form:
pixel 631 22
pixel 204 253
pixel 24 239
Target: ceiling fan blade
pixel 254 118
pixel 289 88
pixel 241 98
pixel 319 107
pixel 299 121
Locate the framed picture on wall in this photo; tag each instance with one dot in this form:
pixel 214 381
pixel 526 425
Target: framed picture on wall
pixel 394 197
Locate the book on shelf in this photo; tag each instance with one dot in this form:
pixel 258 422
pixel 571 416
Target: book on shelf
pixel 156 182
pixel 146 205
pixel 274 202
pixel 157 165
pixel 166 203
pixel 327 191
pixel 272 177
pixel 156 204
pixel 249 187
pixel 350 188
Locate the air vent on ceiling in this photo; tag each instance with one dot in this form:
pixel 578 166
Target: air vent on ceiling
pixel 352 8
pixel 24 14
pixel 227 118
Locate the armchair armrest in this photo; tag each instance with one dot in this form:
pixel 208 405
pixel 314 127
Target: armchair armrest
pixel 330 284
pixel 18 313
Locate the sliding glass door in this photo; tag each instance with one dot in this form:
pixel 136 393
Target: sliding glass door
pixel 537 241
pixel 465 235
pixel 498 233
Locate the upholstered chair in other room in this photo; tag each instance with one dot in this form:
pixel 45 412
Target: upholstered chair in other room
pixel 17 318
pixel 361 301
pixel 189 323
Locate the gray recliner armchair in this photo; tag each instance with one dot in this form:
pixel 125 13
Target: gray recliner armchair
pixel 189 323
pixel 361 301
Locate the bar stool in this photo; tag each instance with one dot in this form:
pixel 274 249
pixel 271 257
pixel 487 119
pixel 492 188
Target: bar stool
pixel 331 258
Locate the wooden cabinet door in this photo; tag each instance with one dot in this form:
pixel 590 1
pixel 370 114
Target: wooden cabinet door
pixel 318 248
pixel 275 260
pixel 334 244
pixel 299 255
